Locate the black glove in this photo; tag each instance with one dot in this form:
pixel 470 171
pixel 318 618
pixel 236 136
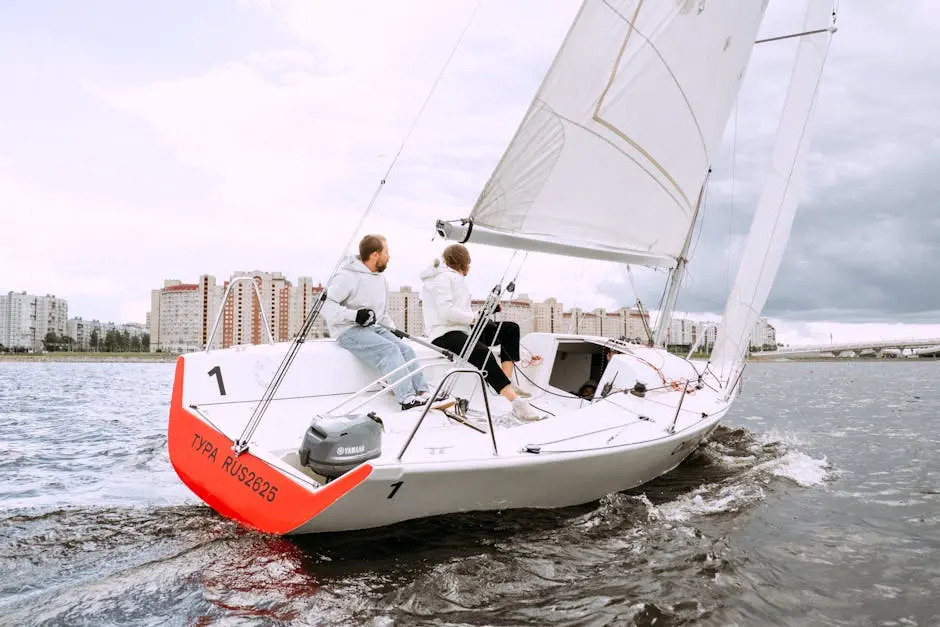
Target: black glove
pixel 365 317
pixel 498 308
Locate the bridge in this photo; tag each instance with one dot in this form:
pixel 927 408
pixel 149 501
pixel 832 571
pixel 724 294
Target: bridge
pixel 911 347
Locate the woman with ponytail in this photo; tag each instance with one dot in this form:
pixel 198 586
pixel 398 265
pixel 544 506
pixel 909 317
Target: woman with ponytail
pixel 448 317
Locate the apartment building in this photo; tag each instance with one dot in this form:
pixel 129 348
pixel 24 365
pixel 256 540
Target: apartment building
pixel 681 332
pixel 182 315
pixel 710 329
pixel 258 302
pixel 518 310
pixel 302 299
pixel 405 309
pixel 81 331
pixel 548 316
pixel 764 336
pixel 624 323
pixel 25 319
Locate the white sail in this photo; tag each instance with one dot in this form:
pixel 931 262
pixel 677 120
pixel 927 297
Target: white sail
pixel 617 142
pixel 773 218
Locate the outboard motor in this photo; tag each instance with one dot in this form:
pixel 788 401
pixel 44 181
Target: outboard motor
pixel 334 445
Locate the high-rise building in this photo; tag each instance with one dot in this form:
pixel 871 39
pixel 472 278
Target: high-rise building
pixel 548 317
pixel 182 315
pixel 405 309
pixel 519 310
pixel 25 319
pixel 710 329
pixel 80 331
pixel 681 332
pixel 763 336
pixel 246 320
pixel 302 299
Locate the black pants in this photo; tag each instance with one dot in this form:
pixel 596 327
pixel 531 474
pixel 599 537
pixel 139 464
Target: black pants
pixel 481 356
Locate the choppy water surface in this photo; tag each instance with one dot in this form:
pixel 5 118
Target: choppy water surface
pixel 818 503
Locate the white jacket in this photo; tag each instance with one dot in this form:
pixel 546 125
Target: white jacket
pixel 446 301
pixel 355 287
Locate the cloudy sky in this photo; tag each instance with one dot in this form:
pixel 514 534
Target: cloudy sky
pixel 140 142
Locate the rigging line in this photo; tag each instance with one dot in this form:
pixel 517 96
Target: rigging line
pixel 511 289
pixel 417 118
pixel 539 387
pixel 577 296
pixel 404 141
pixel 703 212
pixel 796 154
pixel 742 349
pixel 255 419
pixel 662 299
pixel 734 152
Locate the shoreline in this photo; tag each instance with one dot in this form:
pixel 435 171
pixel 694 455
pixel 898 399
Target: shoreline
pixel 139 358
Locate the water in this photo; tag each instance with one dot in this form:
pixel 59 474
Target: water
pixel 815 504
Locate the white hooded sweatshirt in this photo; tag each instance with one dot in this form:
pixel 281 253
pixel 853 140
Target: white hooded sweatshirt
pixel 355 287
pixel 446 301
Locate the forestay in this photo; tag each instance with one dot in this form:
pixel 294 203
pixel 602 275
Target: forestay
pixel 616 144
pixel 777 206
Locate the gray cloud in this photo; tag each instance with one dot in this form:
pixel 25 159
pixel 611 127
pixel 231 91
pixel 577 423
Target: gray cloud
pixel 863 242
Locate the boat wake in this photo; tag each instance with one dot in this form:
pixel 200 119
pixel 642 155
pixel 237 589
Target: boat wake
pixel 99 564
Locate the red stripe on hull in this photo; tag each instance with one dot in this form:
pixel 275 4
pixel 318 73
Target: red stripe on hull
pixel 243 488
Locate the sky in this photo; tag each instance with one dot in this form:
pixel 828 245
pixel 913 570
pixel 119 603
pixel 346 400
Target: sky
pixel 148 141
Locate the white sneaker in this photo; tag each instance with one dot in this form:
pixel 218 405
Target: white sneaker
pixel 520 392
pixel 523 411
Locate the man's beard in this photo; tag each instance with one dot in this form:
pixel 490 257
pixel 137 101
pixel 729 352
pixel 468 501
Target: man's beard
pixel 380 267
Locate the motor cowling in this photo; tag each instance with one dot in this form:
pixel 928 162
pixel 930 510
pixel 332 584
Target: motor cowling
pixel 334 445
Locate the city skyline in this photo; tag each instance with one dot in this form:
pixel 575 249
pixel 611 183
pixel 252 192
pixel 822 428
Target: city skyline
pixel 257 307
pixel 823 333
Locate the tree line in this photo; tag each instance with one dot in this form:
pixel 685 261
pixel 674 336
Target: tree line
pixel 111 342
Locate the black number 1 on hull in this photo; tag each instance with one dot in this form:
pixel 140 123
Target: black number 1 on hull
pixel 218 377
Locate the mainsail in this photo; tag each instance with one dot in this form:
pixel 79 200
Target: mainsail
pixel 614 148
pixel 773 218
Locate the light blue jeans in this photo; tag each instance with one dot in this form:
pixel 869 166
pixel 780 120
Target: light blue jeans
pixel 382 350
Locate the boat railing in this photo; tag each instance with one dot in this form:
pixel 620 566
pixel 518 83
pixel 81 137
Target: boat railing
pixel 453 373
pixel 385 381
pixel 672 427
pixel 228 290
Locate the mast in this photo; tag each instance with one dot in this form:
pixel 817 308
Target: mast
pixel 676 274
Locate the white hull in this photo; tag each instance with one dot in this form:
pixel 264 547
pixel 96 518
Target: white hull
pixel 584 451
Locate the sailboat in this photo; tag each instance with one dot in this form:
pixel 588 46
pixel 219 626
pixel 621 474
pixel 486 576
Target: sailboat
pixel 610 162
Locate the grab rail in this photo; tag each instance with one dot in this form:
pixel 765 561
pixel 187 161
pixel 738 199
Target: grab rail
pixel 672 427
pixel 444 353
pixel 228 290
pixel 427 407
pixel 379 381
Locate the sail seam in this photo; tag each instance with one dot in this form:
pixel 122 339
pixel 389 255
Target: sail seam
pixel 613 74
pixel 626 41
pixel 685 98
pixel 540 90
pixel 628 156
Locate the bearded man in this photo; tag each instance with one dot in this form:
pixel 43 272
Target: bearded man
pixel 356 300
